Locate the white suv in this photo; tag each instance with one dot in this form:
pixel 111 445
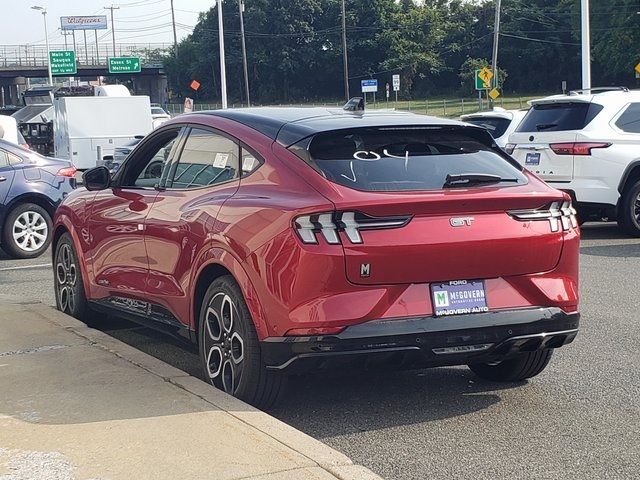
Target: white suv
pixel 587 143
pixel 499 122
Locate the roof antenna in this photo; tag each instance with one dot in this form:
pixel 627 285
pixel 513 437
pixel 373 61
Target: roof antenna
pixel 355 104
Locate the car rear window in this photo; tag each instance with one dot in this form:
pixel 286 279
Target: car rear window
pixel 556 117
pixel 495 126
pixel 403 159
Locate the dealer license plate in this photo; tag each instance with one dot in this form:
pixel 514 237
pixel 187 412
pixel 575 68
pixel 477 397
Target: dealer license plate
pixel 532 159
pixel 459 297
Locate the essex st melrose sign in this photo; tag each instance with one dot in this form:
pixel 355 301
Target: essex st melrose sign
pixel 124 65
pixel 63 62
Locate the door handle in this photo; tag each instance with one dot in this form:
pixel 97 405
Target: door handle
pixel 2 179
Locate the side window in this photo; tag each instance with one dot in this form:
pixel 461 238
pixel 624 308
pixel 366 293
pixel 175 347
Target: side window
pixel 4 159
pixel 14 159
pixel 249 163
pixel 629 121
pixel 148 166
pixel 207 158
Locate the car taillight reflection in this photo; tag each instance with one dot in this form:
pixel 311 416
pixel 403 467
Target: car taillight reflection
pixel 562 212
pixel 67 172
pixel 351 223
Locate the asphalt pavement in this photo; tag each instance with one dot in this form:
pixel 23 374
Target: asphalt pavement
pixel 579 419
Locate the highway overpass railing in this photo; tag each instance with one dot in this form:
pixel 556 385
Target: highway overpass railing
pixel 20 56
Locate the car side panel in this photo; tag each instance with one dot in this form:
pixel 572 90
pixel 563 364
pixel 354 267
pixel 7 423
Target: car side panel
pixel 180 225
pixel 116 248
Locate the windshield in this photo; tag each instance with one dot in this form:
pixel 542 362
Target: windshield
pixel 404 159
pixel 556 117
pixel 496 126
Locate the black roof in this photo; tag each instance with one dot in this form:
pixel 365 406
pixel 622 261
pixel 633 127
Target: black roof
pixel 289 125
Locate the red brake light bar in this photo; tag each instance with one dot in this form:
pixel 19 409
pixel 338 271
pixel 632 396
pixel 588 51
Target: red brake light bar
pixel 577 148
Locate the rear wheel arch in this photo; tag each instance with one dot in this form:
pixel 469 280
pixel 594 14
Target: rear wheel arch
pixel 36 199
pixel 216 269
pixel 630 176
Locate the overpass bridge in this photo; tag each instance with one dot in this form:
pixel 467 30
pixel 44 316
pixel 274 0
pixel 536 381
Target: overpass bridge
pixel 19 63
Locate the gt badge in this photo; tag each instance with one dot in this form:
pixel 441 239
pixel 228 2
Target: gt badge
pixel 461 221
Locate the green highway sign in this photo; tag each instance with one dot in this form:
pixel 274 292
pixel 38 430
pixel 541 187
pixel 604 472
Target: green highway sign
pixel 124 65
pixel 63 62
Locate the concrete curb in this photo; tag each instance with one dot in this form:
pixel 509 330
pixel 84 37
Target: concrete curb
pixel 330 460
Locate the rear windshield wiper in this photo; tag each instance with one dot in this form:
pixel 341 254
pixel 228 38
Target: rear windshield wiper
pixel 467 179
pixel 545 126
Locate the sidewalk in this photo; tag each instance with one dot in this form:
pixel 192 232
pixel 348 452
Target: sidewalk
pixel 78 404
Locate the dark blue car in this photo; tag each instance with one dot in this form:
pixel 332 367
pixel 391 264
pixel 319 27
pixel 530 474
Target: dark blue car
pixel 31 188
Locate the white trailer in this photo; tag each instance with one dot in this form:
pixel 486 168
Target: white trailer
pixel 85 126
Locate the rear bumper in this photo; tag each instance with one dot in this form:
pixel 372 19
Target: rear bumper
pixel 426 341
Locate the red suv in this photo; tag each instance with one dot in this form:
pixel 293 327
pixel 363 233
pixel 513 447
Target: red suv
pixel 283 240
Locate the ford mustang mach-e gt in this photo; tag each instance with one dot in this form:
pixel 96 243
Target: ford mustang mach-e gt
pixel 284 240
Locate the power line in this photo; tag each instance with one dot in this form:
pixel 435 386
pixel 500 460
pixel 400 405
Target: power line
pixel 538 39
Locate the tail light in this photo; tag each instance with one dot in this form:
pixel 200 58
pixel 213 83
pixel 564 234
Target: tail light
pixel 558 214
pixel 576 148
pixel 509 148
pixel 67 172
pixel 329 225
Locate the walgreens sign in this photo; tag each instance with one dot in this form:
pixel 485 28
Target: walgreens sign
pixel 94 22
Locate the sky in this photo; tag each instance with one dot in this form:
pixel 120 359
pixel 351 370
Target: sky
pixel 137 21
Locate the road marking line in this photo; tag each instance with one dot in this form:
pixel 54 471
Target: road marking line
pixel 26 267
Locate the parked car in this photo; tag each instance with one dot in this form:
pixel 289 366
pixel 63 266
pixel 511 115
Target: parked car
pixel 31 188
pixel 499 122
pixel 283 240
pixel 587 143
pixel 158 116
pixel 120 153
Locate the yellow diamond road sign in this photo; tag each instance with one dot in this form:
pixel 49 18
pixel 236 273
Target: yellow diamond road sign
pixel 486 75
pixel 638 68
pixel 494 93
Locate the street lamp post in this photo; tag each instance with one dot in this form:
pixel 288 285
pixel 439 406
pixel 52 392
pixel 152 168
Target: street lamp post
pixel 345 61
pixel 46 39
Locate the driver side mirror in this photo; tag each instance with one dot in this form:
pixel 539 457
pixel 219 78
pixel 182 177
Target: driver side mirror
pixel 98 178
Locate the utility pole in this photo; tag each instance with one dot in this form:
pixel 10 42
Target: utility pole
pixel 173 21
pixel 345 60
pixel 496 38
pixel 244 51
pixel 223 70
pixel 113 27
pixel 46 40
pixel 586 45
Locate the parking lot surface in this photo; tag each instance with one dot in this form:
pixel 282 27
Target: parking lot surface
pixel 579 419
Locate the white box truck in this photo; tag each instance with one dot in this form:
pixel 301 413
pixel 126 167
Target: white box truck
pixel 86 126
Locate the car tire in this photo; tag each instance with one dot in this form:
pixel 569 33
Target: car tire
pixel 68 284
pixel 229 348
pixel 629 216
pixel 521 367
pixel 27 231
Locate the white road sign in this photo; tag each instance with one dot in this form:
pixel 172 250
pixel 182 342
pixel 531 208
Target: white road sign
pixel 396 83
